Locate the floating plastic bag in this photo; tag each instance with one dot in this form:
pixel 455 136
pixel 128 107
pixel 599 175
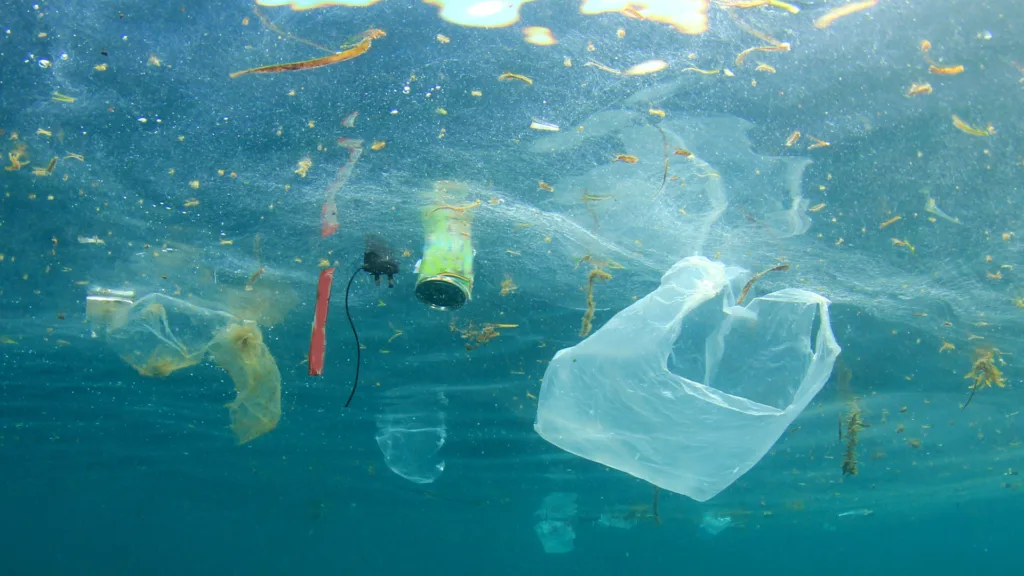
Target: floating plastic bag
pixel 158 335
pixel 411 432
pixel 256 409
pixel 412 447
pixel 685 389
pixel 554 530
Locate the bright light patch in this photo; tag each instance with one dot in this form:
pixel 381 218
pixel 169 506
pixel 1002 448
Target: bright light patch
pixel 539 36
pixel 479 13
pixel 687 16
pixel 648 67
pixel 311 4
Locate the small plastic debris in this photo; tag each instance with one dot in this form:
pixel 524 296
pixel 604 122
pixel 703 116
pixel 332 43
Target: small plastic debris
pixel 931 207
pixel 543 126
pixel 858 512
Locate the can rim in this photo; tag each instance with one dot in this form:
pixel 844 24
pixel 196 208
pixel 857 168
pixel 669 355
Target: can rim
pixel 461 293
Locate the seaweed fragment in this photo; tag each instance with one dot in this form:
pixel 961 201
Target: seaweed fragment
pixel 755 278
pixel 588 316
pixel 985 372
pixel 854 424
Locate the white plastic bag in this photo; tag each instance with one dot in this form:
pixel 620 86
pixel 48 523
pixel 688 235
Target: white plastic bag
pixel 685 389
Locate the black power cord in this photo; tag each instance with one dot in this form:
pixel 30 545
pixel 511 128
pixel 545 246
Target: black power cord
pixel 355 382
pixel 378 261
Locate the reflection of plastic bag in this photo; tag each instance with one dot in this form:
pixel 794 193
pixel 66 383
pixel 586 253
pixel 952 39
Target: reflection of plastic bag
pixel 609 520
pixel 712 523
pixel 554 530
pixel 158 334
pixel 556 536
pixel 683 388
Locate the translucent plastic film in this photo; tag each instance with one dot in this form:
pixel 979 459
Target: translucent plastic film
pixel 684 388
pixel 410 434
pixel 159 334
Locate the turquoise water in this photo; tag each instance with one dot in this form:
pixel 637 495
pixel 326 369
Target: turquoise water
pixel 188 187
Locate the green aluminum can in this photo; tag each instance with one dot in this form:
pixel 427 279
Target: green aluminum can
pixel 445 279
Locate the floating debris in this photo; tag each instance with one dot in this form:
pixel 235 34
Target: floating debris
pixel 510 76
pixel 890 222
pixel 968 129
pixel 845 10
pixel 543 126
pixel 946 70
pixel 781 47
pixel 701 71
pixel 358 50
pixel 919 89
pixel 816 143
pixel 931 207
pixel 603 68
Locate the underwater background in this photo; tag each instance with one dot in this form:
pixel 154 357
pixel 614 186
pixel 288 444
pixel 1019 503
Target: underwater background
pixel 164 225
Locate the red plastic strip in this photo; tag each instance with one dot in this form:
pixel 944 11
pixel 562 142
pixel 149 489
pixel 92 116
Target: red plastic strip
pixel 318 342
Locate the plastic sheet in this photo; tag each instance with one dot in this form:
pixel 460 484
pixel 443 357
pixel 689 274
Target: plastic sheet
pixel 158 335
pixel 256 409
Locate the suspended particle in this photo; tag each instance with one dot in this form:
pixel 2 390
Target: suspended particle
pixel 919 89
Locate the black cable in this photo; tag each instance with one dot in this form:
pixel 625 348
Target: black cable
pixel 355 382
